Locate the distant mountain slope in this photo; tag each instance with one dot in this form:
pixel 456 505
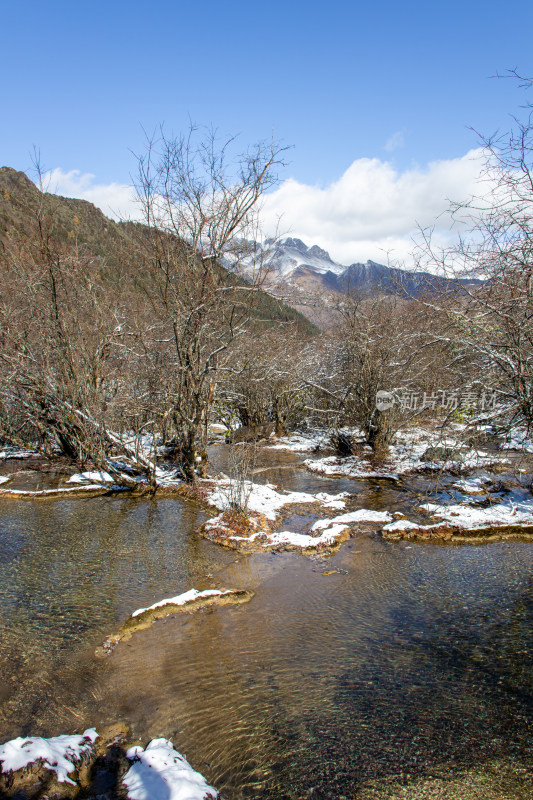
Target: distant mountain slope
pixel 121 247
pixel 292 265
pixel 285 257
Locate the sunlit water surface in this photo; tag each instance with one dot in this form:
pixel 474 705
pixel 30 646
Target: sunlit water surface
pixel 386 662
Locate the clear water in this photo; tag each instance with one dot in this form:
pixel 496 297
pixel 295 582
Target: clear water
pixel 406 662
pixel 70 573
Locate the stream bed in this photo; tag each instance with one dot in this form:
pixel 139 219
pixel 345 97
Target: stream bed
pixel 382 671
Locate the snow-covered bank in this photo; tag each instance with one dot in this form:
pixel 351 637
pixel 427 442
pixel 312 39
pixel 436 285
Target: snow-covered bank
pixel 254 527
pixel 157 772
pixel 518 440
pixel 86 490
pixel 352 517
pixel 96 477
pixel 515 508
pixel 182 599
pixel 413 451
pixel 10 452
pixel 349 467
pixel 267 499
pixel 226 531
pixel 509 515
pixel 299 442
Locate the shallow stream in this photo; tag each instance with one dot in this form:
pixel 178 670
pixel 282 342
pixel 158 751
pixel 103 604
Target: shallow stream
pixel 386 664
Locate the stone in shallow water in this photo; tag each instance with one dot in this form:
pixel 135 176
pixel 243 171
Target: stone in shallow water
pixel 39 767
pixel 143 618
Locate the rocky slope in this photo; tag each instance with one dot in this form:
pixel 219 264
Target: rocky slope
pixel 294 269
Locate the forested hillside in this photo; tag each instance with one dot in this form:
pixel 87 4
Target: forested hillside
pixel 120 248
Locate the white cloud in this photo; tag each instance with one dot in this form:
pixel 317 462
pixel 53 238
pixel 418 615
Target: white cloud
pixel 116 200
pixel 373 211
pixel 394 142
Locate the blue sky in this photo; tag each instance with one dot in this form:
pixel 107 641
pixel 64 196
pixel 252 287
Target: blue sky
pixel 401 83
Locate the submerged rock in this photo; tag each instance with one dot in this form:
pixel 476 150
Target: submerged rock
pixel 449 532
pixel 188 601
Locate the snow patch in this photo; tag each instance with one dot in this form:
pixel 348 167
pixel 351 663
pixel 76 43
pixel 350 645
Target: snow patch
pixel 304 540
pixel 159 772
pixel 402 525
pixel 299 443
pixel 264 498
pixel 361 515
pixel 16 452
pixel 182 599
pixel 407 455
pixel 98 476
pixel 516 509
pixel 472 485
pixel 60 754
pixel 351 467
pixel 518 440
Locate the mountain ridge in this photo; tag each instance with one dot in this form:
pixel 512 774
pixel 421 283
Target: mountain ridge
pixel 290 264
pixel 121 248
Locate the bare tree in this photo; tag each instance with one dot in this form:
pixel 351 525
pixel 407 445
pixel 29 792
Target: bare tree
pixel 261 382
pixel 491 323
pixel 201 204
pixel 378 345
pixel 66 361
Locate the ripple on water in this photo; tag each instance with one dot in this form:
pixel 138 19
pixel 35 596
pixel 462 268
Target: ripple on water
pixel 404 660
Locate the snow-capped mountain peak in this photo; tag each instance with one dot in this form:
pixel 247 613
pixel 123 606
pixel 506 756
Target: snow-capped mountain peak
pixel 288 255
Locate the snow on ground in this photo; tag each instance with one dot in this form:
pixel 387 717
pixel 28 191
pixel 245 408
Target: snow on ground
pixel 87 488
pixel 515 509
pixel 313 440
pixel 299 442
pixel 476 485
pixel 4 478
pixel 60 754
pixel 518 440
pixel 182 599
pixel 409 448
pixel 334 501
pixel 98 476
pixel 351 467
pixel 330 529
pixel 16 452
pixel 405 525
pixel 304 540
pixel 361 515
pixel 164 476
pixel 266 498
pixel 407 454
pixel 276 538
pixel 160 773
